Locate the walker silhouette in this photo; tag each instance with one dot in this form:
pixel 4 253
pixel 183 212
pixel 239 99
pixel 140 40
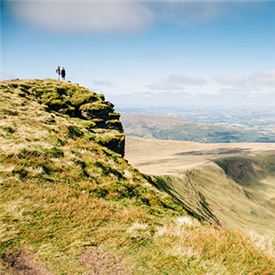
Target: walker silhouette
pixel 61 72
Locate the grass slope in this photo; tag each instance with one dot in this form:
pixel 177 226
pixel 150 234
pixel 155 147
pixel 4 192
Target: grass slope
pixel 65 200
pixel 246 208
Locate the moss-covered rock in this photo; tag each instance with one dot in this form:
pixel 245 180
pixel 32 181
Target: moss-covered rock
pixel 74 101
pixel 83 96
pixel 113 140
pixel 74 132
pixel 114 116
pixel 96 110
pixel 98 123
pixel 114 124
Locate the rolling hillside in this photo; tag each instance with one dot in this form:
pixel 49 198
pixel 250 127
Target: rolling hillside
pixel 236 181
pixel 71 204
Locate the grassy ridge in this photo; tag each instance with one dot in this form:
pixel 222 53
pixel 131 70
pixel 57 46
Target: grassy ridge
pixel 248 170
pixel 67 199
pixel 248 205
pixel 71 100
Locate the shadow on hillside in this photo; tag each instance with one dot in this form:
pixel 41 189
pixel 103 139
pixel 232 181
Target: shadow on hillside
pixel 218 151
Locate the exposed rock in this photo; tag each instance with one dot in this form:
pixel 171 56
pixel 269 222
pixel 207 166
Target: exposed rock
pixel 75 101
pixel 112 140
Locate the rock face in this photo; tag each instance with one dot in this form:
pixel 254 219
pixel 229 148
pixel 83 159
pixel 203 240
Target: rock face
pixel 78 102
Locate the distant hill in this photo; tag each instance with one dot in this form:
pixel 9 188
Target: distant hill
pixel 71 204
pixel 172 128
pixel 236 181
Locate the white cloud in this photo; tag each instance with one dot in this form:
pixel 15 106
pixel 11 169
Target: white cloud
pixel 84 16
pixel 90 16
pixel 251 82
pixel 186 80
pixel 232 80
pixel 177 82
pixel 264 79
pixel 152 98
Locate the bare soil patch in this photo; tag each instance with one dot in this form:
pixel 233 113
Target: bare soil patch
pixel 25 263
pixel 98 261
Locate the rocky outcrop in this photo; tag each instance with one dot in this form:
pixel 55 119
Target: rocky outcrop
pixel 75 101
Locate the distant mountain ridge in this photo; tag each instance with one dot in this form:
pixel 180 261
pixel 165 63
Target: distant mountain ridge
pixel 172 128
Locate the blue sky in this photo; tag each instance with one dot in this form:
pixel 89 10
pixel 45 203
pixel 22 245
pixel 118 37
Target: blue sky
pixel 147 53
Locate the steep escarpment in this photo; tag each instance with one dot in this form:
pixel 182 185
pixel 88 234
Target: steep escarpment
pixel 49 134
pixel 188 195
pixel 230 184
pixel 248 170
pixel 71 204
pixel 97 115
pixel 209 193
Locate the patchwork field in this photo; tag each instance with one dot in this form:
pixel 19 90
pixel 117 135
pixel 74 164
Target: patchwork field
pixel 202 126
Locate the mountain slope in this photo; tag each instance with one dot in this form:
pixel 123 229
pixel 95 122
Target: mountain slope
pixel 231 183
pixel 234 206
pixel 70 203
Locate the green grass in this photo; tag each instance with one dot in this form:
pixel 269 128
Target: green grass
pixel 59 223
pixel 73 101
pixel 64 194
pixel 245 205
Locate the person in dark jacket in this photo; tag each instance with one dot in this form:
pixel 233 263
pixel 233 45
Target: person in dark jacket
pixel 63 73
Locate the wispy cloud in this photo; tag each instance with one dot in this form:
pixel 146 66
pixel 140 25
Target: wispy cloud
pixel 264 79
pixel 92 16
pixel 232 80
pixel 253 81
pixel 84 16
pixel 174 82
pixel 150 98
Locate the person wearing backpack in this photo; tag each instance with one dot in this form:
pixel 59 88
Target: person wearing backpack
pixel 63 73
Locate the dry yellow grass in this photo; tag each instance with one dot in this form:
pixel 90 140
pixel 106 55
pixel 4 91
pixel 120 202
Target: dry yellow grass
pixel 170 157
pixel 186 168
pixel 64 198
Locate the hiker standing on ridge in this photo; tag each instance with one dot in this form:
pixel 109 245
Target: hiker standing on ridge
pixel 63 73
pixel 58 72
